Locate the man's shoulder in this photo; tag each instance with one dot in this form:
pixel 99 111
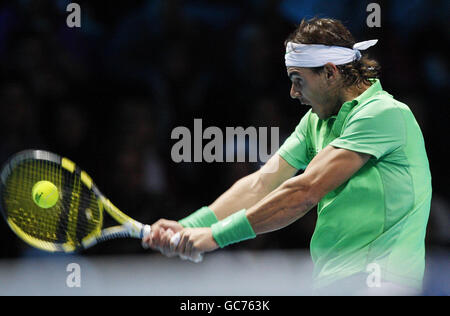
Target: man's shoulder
pixel 381 103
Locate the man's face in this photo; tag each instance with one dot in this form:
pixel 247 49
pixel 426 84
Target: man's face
pixel 312 89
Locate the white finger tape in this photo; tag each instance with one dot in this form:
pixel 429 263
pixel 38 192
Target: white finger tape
pixel 175 240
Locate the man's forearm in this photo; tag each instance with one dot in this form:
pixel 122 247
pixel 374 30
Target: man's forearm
pixel 251 189
pixel 245 193
pixel 281 207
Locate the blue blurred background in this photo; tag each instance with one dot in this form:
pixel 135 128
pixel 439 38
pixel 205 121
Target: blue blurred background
pixel 107 95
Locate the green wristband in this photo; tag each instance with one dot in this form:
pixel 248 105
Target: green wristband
pixel 233 229
pixel 203 217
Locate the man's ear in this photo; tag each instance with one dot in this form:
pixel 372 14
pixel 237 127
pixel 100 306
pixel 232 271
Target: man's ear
pixel 331 71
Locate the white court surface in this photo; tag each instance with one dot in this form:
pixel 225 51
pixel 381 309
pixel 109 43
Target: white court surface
pixel 240 273
pixel 222 273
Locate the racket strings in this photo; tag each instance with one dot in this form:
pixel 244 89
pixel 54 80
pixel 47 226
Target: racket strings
pixel 75 215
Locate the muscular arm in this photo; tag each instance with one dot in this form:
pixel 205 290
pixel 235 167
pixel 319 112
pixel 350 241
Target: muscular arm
pixel 287 203
pixel 296 196
pixel 249 190
pixel 245 193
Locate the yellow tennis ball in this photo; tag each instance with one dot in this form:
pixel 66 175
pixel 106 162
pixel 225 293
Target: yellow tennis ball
pixel 45 194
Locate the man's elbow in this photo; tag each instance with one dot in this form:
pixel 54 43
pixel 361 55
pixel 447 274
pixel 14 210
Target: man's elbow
pixel 303 190
pixel 259 184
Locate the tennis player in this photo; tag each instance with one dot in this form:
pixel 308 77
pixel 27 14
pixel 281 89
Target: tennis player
pixel 365 168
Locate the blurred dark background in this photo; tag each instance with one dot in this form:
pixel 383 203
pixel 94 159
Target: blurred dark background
pixel 107 95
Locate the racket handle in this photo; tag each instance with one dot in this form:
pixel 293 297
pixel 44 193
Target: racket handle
pixel 146 230
pixel 175 240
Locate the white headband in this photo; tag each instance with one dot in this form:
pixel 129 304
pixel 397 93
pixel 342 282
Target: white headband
pixel 316 55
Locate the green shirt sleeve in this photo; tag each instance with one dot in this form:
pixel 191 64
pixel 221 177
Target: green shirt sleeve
pixel 377 129
pixel 294 149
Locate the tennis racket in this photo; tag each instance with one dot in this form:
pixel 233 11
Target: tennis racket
pixel 75 222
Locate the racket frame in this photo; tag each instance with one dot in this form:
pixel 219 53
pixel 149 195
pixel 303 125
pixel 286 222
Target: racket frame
pixel 128 228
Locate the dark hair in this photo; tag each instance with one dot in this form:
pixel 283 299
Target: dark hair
pixel 332 32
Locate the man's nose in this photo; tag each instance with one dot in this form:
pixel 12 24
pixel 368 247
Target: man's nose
pixel 295 93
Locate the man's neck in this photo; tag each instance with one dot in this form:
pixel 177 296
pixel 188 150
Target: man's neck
pixel 353 92
pixel 348 94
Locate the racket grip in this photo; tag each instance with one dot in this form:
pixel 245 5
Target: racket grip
pixel 146 230
pixel 175 240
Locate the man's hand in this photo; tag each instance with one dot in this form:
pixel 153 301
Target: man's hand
pixel 194 242
pixel 159 237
